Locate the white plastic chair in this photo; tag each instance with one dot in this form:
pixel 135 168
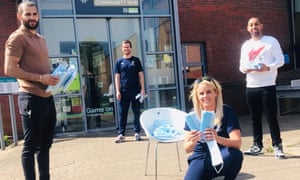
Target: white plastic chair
pixel 155 118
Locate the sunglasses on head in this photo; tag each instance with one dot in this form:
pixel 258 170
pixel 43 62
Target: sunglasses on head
pixel 206 78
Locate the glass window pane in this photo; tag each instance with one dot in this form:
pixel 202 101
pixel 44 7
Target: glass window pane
pixel 192 62
pixel 156 7
pixel 60 36
pixel 92 30
pixel 158 34
pixel 68 105
pixel 56 7
pixel 193 72
pixel 192 53
pixel 297 6
pixel 68 113
pixel 163 98
pixel 160 71
pixel 125 29
pixel 74 85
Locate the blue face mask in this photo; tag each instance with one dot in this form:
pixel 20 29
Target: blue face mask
pixel 216 156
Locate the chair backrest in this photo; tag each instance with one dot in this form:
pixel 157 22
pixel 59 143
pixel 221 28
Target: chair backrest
pixel 164 119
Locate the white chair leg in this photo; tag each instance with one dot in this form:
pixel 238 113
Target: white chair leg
pixel 146 168
pixel 156 160
pixel 178 157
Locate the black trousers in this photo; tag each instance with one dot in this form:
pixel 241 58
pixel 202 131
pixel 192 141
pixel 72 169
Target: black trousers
pixel 263 100
pixel 38 119
pixel 200 165
pixel 127 98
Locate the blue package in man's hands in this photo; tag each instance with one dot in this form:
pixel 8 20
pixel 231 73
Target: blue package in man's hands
pixel 66 74
pixel 192 121
pixel 207 120
pixel 254 66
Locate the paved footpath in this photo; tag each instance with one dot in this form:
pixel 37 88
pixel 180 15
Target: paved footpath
pixel 96 157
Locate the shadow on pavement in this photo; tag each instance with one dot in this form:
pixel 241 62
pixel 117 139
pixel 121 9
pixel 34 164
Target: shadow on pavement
pixel 243 176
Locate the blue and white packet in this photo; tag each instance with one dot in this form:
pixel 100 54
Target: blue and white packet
pixel 207 120
pixel 254 65
pixel 193 121
pixel 66 74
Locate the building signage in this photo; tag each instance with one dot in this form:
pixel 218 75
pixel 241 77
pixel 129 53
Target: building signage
pixel 8 85
pixel 98 111
pixel 107 7
pixel 116 2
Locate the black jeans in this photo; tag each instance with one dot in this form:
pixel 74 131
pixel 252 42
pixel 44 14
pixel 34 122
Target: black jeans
pixel 263 100
pixel 39 119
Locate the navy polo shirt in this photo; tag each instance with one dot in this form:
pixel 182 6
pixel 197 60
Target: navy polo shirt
pixel 129 72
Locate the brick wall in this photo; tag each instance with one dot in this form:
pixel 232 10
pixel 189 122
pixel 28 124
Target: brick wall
pixel 222 25
pixel 8 23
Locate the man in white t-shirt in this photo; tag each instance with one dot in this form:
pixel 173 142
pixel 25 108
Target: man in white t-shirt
pixel 261 56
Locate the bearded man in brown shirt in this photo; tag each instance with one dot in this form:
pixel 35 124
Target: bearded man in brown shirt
pixel 26 58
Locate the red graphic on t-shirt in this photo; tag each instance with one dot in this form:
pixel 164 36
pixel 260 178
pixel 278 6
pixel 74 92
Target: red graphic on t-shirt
pixel 253 53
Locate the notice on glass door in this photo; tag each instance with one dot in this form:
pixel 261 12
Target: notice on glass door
pixel 116 2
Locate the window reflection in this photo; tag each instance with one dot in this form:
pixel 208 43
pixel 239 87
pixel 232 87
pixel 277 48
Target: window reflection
pixel 68 102
pixel 158 34
pixel 156 6
pixel 61 7
pixel 95 34
pixel 125 29
pixel 68 113
pixel 160 70
pixel 192 62
pixel 163 98
pixel 192 53
pixel 59 42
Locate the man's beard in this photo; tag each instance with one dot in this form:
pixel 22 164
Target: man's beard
pixel 256 34
pixel 28 25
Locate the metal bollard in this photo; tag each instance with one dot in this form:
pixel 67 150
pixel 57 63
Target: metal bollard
pixel 1 131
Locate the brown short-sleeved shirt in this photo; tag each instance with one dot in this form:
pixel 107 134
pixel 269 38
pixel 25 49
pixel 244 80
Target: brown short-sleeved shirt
pixel 33 54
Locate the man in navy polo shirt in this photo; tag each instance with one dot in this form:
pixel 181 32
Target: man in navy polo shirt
pixel 129 82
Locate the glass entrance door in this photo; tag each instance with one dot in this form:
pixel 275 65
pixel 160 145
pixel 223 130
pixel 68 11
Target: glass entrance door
pixel 122 29
pixel 100 46
pixel 95 71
